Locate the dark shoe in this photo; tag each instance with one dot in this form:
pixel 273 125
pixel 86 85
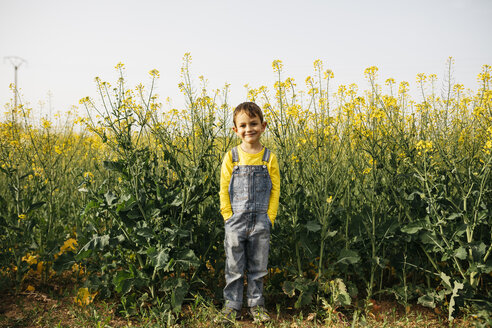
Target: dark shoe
pixel 229 315
pixel 259 314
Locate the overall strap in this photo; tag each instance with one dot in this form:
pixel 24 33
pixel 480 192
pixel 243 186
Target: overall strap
pixel 266 155
pixel 235 155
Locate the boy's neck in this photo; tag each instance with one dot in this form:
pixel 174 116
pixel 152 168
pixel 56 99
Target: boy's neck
pixel 251 148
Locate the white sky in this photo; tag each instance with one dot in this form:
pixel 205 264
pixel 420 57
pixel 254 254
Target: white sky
pixel 68 43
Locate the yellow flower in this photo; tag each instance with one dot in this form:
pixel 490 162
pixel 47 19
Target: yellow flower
pixel 89 176
pixel 84 297
pixel 404 87
pixel 378 114
pixel 487 147
pixel 30 259
pixel 84 100
pixel 68 245
pixel 318 64
pixel 46 123
pixel 154 73
pixel 424 146
pixel 329 199
pixel 30 288
pixel 22 216
pixel 329 74
pixel 78 269
pixel 288 82
pixel 277 65
pixel 39 267
pixel 371 72
pixel 421 78
pixel 390 81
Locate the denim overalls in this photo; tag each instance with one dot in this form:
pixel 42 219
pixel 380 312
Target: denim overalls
pixel 247 232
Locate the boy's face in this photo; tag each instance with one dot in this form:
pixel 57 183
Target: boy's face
pixel 249 129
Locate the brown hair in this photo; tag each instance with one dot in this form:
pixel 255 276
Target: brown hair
pixel 250 108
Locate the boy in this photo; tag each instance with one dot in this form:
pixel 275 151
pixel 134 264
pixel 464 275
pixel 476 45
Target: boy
pixel 249 197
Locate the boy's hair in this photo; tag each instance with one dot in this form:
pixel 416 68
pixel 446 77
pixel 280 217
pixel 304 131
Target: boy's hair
pixel 250 108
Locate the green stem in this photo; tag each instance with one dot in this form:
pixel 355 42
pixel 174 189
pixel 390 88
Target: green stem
pixel 298 256
pixel 430 259
pixel 320 263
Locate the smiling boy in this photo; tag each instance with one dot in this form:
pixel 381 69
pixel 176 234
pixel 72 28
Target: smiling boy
pixel 249 198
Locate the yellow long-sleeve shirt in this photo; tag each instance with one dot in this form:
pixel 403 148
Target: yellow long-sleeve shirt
pixel 249 159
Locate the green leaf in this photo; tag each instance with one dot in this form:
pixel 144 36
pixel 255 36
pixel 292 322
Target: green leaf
pixel 114 166
pixel 427 301
pixel 96 244
pixel 126 203
pixel 187 259
pixel 35 206
pixel 305 298
pixel 302 284
pixel 92 204
pixel 122 281
pixel 110 197
pixel 330 234
pixel 487 269
pixel 479 251
pixel 348 256
pixel 160 259
pixel 340 291
pixel 413 194
pixel 457 287
pixel 454 216
pixel 412 228
pixel 446 279
pixel 289 288
pixel 429 237
pixel 145 232
pixel 460 231
pixel 178 294
pixel 460 253
pixel 177 201
pixel 313 226
pixel 381 262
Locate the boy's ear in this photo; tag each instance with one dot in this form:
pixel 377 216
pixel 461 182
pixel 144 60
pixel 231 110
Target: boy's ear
pixel 264 124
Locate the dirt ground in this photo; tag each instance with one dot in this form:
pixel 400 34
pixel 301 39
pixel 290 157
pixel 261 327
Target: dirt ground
pixel 43 309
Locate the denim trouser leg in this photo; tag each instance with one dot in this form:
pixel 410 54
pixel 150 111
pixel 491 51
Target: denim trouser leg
pixel 257 260
pixel 246 243
pixel 234 245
